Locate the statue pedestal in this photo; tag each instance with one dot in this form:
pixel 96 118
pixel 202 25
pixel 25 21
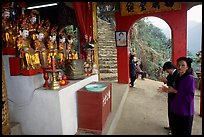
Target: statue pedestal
pixel 15 70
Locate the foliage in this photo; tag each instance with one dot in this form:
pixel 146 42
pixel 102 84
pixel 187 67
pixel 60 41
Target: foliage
pixel 157 51
pixel 195 64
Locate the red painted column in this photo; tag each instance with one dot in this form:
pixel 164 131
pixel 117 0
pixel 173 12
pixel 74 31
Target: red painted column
pixel 179 35
pixel 123 65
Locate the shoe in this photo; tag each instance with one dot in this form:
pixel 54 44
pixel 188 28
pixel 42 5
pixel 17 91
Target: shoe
pixel 167 128
pixel 170 133
pixel 132 86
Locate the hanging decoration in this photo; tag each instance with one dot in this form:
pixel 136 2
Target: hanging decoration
pixel 133 8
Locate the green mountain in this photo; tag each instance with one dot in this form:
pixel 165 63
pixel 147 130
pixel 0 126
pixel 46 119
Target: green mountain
pixel 151 47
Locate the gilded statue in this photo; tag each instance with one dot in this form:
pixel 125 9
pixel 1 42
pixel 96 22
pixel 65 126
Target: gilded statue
pixel 39 46
pixel 61 52
pixel 9 32
pixel 52 45
pixel 28 58
pixel 71 53
pixel 33 25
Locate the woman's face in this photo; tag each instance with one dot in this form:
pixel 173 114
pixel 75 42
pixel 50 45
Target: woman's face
pixel 182 67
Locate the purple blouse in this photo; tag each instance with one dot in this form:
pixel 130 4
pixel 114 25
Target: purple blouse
pixel 183 103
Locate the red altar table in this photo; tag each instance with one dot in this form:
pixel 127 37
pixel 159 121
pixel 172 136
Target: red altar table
pixel 9 51
pixel 15 70
pixel 94 108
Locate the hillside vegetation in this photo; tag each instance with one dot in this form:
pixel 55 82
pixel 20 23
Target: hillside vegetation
pixel 151 46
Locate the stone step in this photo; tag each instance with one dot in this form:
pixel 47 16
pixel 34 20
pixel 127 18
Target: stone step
pixel 103 59
pixel 108 76
pixel 108 48
pixel 107 44
pixel 109 56
pixel 108 70
pixel 108 62
pixel 108 66
pixel 107 53
pixel 106 40
pixel 112 48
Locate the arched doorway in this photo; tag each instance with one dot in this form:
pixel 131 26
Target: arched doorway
pixel 177 21
pixel 150 38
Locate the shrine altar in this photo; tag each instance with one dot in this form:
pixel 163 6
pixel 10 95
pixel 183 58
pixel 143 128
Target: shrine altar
pixel 40 111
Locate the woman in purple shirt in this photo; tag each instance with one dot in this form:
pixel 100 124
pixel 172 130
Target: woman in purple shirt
pixel 182 105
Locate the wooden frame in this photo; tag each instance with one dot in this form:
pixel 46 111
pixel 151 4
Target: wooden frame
pixel 121 38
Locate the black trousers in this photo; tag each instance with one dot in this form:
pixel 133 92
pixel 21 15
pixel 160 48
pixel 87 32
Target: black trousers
pixel 170 115
pixel 181 125
pixel 132 80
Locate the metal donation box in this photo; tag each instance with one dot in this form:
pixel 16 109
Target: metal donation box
pixel 94 106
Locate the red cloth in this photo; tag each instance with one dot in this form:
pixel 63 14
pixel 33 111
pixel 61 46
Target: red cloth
pixel 83 11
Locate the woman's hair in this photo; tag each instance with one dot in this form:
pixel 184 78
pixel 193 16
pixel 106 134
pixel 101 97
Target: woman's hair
pixel 131 57
pixel 189 71
pixel 168 65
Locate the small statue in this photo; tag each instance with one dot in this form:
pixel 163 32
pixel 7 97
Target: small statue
pixel 40 48
pixel 52 45
pixel 47 29
pixel 9 32
pixel 33 25
pixel 28 58
pixel 71 52
pixel 61 51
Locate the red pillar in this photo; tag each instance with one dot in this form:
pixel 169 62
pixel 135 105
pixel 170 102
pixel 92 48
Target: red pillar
pixel 123 65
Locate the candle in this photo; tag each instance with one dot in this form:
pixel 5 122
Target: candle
pixel 53 62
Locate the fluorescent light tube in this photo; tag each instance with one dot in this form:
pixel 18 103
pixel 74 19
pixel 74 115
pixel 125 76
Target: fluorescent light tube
pixel 41 6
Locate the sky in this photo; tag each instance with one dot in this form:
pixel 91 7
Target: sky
pixel 193 14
